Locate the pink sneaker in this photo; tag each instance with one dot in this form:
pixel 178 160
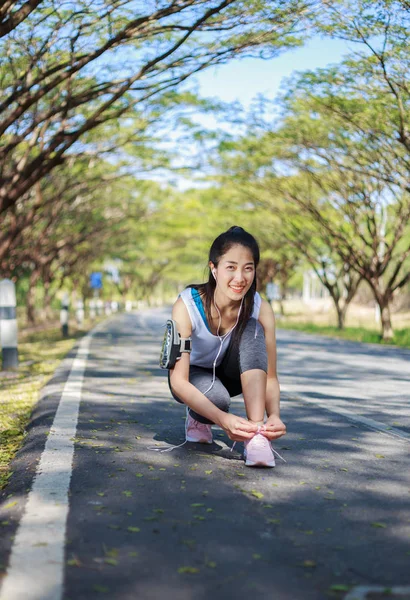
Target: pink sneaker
pixel 258 452
pixel 196 431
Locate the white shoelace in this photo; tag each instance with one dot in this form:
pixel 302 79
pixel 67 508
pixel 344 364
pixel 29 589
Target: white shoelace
pixel 260 441
pixel 171 448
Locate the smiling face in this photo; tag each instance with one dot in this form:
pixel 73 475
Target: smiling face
pixel 235 272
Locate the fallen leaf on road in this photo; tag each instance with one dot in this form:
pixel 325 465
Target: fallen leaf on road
pixel 273 521
pixel 188 570
pixel 339 587
pixel 309 563
pixel 102 589
pixel 257 494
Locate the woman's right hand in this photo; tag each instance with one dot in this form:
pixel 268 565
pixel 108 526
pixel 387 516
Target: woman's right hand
pixel 237 428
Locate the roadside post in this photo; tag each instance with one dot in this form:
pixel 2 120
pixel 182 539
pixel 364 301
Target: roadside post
pixel 65 303
pixel 92 309
pixel 8 325
pixel 273 294
pixel 100 306
pixel 272 291
pixel 79 312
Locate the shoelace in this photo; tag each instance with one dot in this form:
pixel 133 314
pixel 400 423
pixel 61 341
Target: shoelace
pixel 171 448
pixel 260 441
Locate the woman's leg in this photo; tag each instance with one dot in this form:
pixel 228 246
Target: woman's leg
pixel 218 394
pixel 244 369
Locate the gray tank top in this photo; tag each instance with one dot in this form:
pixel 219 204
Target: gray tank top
pixel 206 345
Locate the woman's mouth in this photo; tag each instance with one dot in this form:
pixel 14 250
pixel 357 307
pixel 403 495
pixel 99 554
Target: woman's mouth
pixel 237 290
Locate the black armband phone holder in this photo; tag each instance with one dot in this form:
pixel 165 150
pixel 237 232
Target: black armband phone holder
pixel 173 346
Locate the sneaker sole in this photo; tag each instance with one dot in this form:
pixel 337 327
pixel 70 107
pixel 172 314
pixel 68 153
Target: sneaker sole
pixel 250 463
pixel 188 439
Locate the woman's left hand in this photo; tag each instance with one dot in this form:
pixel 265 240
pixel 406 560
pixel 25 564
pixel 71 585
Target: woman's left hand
pixel 274 428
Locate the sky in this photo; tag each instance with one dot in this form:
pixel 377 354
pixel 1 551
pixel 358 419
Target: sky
pixel 243 79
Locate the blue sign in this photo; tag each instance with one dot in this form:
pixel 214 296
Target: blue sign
pixel 96 281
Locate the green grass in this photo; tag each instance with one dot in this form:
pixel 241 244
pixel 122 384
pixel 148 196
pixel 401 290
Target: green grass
pixel 40 354
pixel 355 334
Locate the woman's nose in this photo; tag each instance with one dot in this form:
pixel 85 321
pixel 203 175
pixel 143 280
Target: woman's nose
pixel 239 277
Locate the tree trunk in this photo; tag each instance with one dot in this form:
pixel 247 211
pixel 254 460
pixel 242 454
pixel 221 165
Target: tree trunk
pixel 387 329
pixel 383 298
pixel 31 298
pixel 47 301
pixel 340 310
pixel 341 315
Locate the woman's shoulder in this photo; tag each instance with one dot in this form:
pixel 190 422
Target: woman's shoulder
pixel 266 314
pixel 180 314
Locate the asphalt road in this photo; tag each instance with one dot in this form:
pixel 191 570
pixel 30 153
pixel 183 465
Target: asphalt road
pixel 194 523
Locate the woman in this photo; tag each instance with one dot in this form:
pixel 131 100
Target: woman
pixel 233 351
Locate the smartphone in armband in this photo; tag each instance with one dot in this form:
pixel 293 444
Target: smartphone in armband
pixel 173 346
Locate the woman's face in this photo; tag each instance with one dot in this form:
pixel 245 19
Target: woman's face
pixel 235 272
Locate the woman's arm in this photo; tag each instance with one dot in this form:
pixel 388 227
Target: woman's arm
pixel 274 426
pixel 236 427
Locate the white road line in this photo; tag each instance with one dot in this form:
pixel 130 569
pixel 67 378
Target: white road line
pixel 36 567
pixel 348 414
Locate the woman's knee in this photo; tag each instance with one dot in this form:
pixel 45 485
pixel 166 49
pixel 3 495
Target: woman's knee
pixel 216 392
pixel 219 396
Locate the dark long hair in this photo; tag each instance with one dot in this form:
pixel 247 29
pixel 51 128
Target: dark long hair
pixel 220 246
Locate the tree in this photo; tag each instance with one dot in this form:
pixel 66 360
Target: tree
pixel 68 70
pixel 255 164
pixel 13 13
pixel 78 211
pixel 344 131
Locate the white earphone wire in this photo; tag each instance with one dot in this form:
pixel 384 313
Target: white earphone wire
pixel 221 339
